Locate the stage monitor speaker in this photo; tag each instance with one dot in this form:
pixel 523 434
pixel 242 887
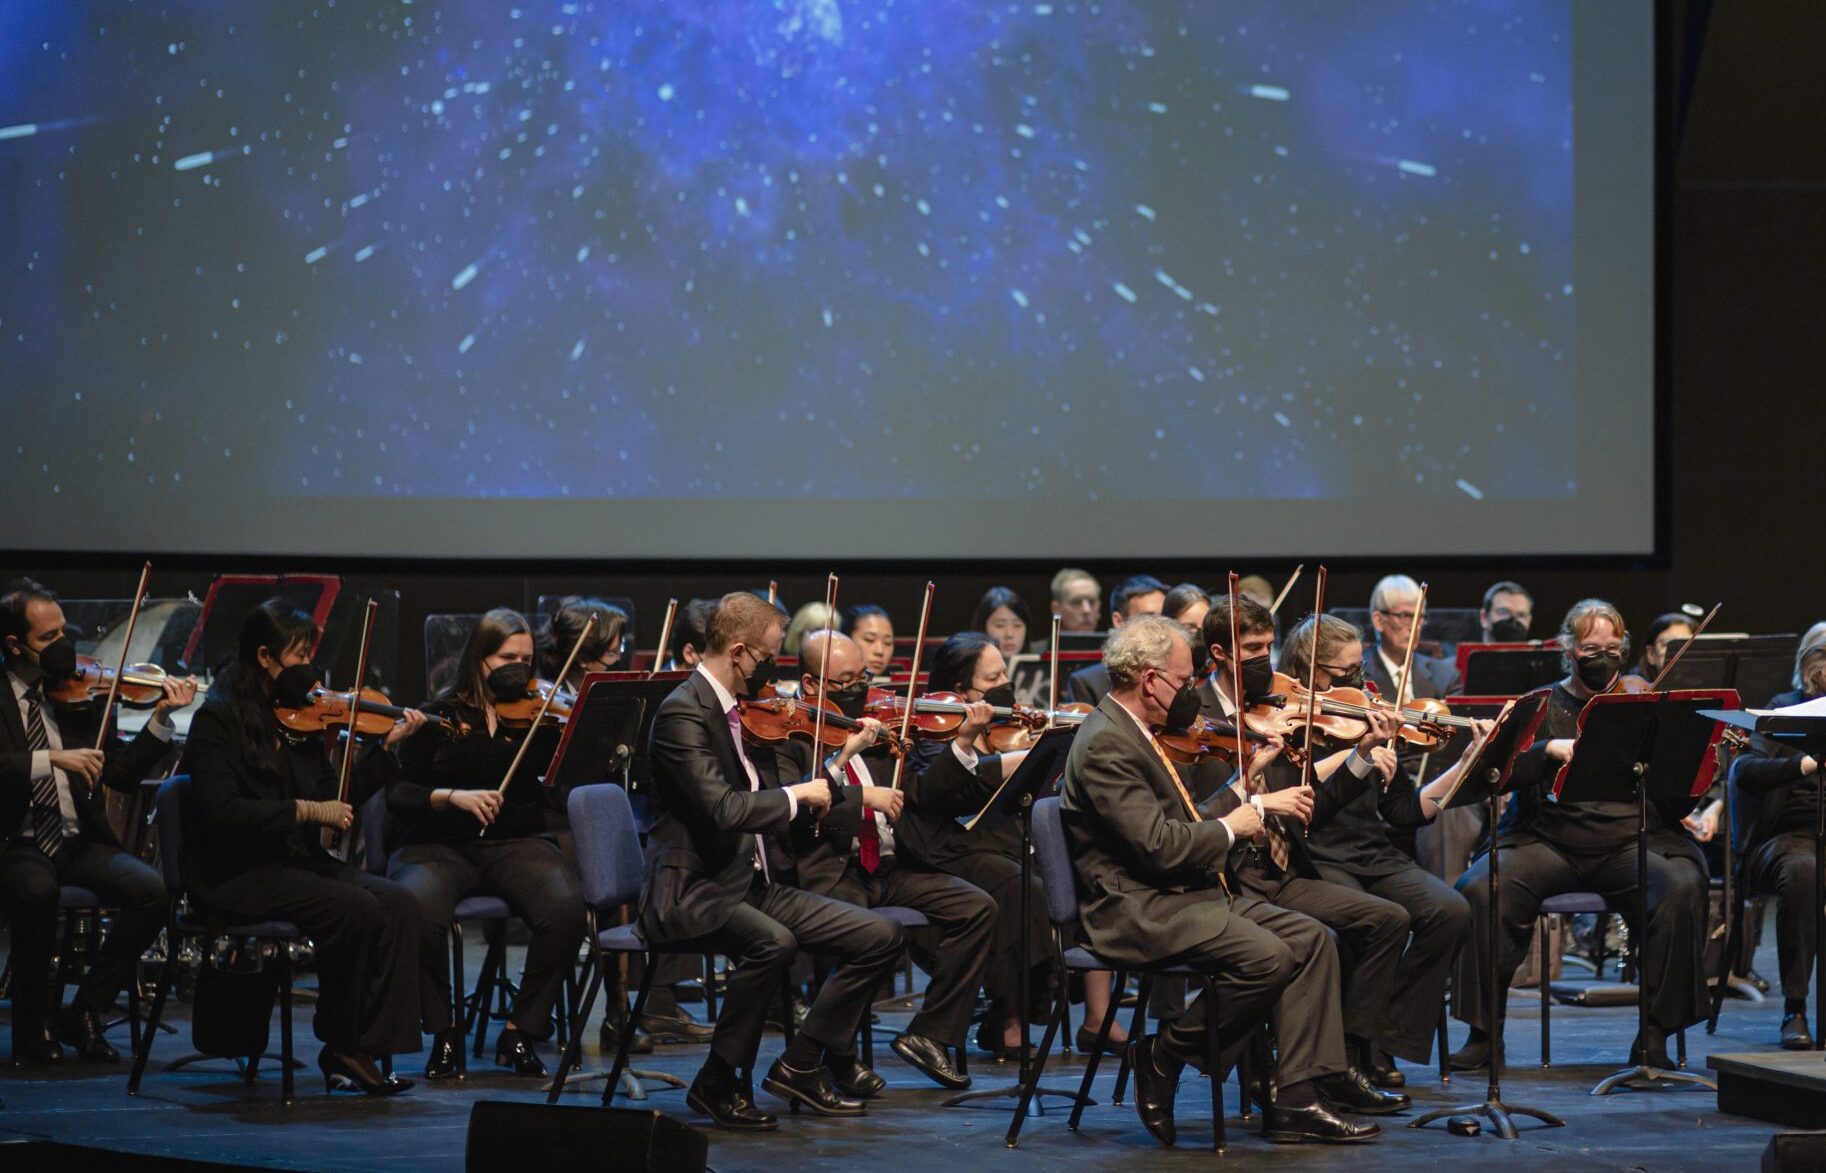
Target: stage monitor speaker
pixel 1795 1152
pixel 509 1135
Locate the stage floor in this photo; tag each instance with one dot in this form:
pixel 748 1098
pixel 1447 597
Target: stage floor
pixel 210 1114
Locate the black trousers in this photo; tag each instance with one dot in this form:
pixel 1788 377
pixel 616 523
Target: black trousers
pixel 29 884
pixel 1673 948
pixel 367 931
pixel 1268 962
pixel 964 916
pixel 1372 934
pixel 764 934
pixel 533 877
pixel 1000 877
pixel 1783 867
pixel 1440 920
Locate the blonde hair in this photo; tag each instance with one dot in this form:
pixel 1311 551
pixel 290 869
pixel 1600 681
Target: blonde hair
pixel 1297 653
pixel 811 617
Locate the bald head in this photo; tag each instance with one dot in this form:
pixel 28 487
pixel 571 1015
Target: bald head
pixel 844 665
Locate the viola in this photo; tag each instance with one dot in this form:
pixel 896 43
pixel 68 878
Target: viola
pixel 330 710
pixel 141 685
pixel 1206 739
pixel 524 710
pixel 769 719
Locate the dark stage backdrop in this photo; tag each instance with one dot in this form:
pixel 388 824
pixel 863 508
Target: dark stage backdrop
pixel 571 280
pixel 1745 251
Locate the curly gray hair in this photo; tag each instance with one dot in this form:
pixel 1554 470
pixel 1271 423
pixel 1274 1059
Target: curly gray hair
pixel 1142 642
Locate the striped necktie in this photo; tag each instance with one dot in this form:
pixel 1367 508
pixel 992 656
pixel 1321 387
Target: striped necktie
pixel 47 814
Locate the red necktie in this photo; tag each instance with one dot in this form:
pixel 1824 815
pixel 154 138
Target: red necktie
pixel 869 837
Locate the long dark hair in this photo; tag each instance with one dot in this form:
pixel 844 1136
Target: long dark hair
pixel 566 624
pixel 954 664
pixel 242 685
pixel 469 685
pixel 996 598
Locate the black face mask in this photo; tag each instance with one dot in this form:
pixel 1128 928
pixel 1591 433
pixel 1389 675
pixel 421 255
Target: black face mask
pixel 292 687
pixel 1184 708
pixel 1508 630
pixel 509 682
pixel 1001 696
pixel 760 676
pixel 850 700
pixel 1596 672
pixel 1351 679
pixel 57 660
pixel 1258 676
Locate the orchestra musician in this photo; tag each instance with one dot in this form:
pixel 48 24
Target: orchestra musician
pixel 1077 599
pixel 1355 848
pixel 690 632
pixel 1778 790
pixel 1507 613
pixel 1150 868
pixel 709 888
pixel 54 830
pixel 872 630
pixel 1393 603
pixel 852 856
pixel 1003 616
pixel 1551 847
pixel 263 794
pixel 1663 636
pixel 461 832
pixel 1279 867
pixel 602 652
pixel 1140 594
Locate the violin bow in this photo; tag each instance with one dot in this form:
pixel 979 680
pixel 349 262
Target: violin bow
pixel 1236 681
pixel 824 663
pixel 1312 667
pixel 1407 661
pixel 335 839
pixel 1052 687
pixel 919 642
pixel 126 646
pixel 1291 579
pixel 773 592
pixel 1690 640
pixel 665 637
pixel 545 706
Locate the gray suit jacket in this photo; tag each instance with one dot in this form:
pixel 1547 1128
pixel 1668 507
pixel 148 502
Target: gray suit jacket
pixel 1149 878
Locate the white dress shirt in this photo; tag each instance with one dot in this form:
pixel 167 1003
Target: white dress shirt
pixel 41 759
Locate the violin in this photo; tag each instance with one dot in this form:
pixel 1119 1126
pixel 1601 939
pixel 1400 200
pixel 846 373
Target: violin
pixel 330 710
pixel 769 718
pixel 1206 739
pixel 1024 725
pixel 937 716
pixel 141 685
pixel 1341 714
pixel 524 710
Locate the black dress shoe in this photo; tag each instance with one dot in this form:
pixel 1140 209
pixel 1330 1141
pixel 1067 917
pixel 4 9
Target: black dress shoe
pixel 812 1088
pixel 1315 1125
pixel 1156 1085
pixel 856 1079
pixel 728 1105
pixel 81 1031
pixel 513 1051
pixel 678 1027
pixel 1086 1041
pixel 1757 980
pixel 930 1059
pixel 1352 1091
pixel 344 1073
pixel 609 1039
pixel 1473 1056
pixel 34 1049
pixel 1382 1070
pixel 1794 1033
pixel 1650 1050
pixel 443 1062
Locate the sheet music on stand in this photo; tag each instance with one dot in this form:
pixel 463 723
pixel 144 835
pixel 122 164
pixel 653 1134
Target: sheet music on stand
pixel 1044 763
pixel 1616 728
pixel 605 738
pixel 1490 771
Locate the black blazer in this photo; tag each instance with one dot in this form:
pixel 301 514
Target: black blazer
pixel 1149 878
pixel 1088 686
pixel 126 764
pixel 701 850
pixel 247 817
pixel 1766 774
pixel 936 786
pixel 928 830
pixel 434 760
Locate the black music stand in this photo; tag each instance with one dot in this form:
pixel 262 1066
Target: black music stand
pixel 602 738
pixel 1509 669
pixel 1013 802
pixel 1808 734
pixel 1643 747
pixel 1485 778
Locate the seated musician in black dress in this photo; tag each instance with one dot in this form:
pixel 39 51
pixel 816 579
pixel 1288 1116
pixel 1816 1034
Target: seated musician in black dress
pixel 263 797
pixel 1551 847
pixel 1778 789
pixel 462 834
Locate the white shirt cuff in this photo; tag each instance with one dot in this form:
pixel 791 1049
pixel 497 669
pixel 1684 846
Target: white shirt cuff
pixel 792 800
pixel 965 754
pixel 41 764
pixel 1359 766
pixel 1228 834
pixel 161 729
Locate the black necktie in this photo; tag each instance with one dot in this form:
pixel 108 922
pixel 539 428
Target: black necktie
pixel 47 814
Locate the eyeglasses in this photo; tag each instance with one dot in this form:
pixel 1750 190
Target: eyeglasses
pixel 1339 669
pixel 1597 649
pixel 1404 616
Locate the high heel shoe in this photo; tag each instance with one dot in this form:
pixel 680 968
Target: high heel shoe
pixel 512 1050
pixel 341 1073
pixel 446 1054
